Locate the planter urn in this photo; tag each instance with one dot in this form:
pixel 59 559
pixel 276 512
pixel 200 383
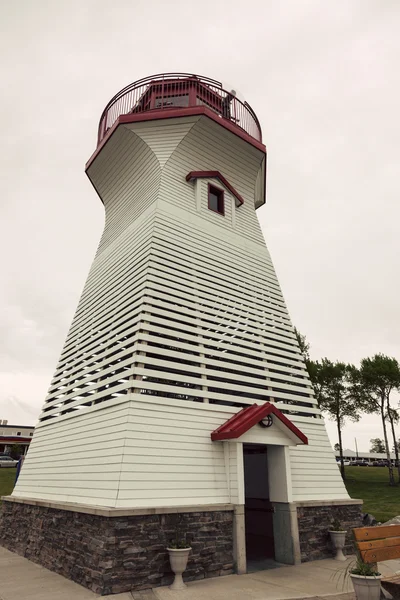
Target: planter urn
pixel 178 558
pixel 366 588
pixel 338 539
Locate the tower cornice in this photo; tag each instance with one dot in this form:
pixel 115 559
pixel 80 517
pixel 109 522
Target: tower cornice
pixel 155 115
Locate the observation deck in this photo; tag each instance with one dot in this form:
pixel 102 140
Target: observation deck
pixel 180 91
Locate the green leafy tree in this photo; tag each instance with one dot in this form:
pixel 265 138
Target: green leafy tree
pixel 377 445
pixel 303 344
pixel 373 384
pixel 15 451
pixel 336 447
pixel 332 390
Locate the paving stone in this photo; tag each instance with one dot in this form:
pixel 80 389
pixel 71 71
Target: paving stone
pixel 145 595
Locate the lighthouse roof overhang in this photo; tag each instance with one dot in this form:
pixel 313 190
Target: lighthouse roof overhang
pixel 248 417
pixel 153 115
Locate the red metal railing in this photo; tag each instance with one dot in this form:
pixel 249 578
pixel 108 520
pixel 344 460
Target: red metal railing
pixel 179 90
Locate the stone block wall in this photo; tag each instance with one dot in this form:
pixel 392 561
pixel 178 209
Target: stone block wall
pixel 314 523
pixel 110 555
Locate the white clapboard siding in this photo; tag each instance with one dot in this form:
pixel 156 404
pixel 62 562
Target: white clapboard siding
pixel 166 455
pixel 164 137
pixel 180 324
pixel 77 459
pixel 237 162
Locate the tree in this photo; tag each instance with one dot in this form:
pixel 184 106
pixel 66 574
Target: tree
pixel 377 445
pixel 336 447
pixel 331 387
pixel 372 385
pixel 15 451
pixel 393 417
pixel 303 344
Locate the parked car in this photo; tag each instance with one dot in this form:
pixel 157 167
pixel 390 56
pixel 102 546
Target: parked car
pixel 346 463
pixel 361 463
pixel 7 461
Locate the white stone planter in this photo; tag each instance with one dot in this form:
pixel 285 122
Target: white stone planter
pixel 366 588
pixel 178 558
pixel 338 539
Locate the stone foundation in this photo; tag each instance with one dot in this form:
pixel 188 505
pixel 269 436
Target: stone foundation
pixel 116 554
pixel 314 522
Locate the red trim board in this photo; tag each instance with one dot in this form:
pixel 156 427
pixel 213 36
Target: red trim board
pixel 246 418
pixel 217 175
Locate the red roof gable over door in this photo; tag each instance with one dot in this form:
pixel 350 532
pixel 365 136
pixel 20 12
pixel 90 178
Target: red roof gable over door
pixel 246 418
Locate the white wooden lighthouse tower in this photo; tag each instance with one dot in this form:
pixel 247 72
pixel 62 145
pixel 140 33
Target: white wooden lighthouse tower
pixel 181 386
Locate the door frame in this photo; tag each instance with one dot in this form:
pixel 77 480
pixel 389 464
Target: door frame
pixel 280 492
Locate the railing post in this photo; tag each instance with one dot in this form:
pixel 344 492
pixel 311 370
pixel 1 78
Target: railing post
pixel 162 93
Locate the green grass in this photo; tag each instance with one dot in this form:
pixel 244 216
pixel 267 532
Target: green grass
pixel 7 479
pixel 371 485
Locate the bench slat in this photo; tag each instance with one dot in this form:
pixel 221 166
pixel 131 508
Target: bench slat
pixel 375 533
pixel 380 554
pixel 374 544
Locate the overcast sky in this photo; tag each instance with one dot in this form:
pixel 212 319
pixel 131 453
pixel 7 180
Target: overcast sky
pixel 323 78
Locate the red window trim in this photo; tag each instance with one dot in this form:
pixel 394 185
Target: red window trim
pixel 221 197
pixel 217 175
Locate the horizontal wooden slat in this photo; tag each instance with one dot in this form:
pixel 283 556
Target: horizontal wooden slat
pixel 377 544
pixel 376 533
pixel 380 554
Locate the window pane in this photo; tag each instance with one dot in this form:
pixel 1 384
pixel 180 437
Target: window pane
pixel 216 199
pixel 213 200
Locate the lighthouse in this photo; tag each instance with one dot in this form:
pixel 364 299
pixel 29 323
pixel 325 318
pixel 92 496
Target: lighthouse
pixel 181 401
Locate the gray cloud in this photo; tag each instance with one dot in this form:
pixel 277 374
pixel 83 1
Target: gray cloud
pixel 324 81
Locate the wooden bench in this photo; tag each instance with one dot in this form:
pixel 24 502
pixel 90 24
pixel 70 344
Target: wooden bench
pixel 376 544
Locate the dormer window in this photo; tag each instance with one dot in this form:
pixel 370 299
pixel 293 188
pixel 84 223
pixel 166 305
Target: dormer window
pixel 216 199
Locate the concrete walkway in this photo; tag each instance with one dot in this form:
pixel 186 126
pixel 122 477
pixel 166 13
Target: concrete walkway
pixel 308 580
pixel 21 579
